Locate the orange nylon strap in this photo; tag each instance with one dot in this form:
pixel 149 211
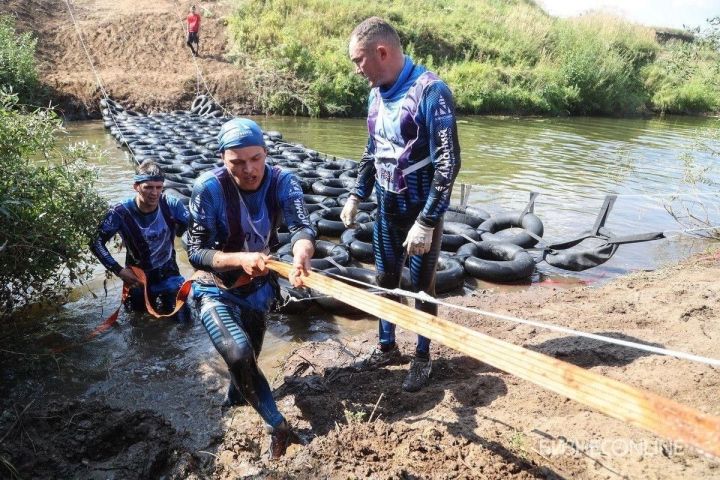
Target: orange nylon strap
pixel 180 301
pixel 180 298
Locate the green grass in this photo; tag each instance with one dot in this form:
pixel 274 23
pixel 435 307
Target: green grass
pixel 497 56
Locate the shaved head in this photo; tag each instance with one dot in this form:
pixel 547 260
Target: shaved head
pixel 373 31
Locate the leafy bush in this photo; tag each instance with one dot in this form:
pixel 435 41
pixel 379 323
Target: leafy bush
pixel 601 57
pixel 48 208
pixel 17 61
pixel 686 77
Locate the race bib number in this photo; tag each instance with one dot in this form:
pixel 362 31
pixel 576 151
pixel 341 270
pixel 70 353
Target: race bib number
pixel 389 176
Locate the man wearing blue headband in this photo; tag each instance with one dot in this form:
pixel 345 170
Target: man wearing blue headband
pixel 148 224
pixel 235 211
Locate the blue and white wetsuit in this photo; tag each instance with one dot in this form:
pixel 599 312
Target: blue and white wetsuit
pixel 412 158
pixel 225 218
pixel 149 239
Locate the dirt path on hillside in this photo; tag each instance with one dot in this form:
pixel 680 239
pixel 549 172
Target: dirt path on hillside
pixel 139 52
pixel 473 421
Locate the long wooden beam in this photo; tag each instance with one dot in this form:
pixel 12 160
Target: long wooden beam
pixel 652 412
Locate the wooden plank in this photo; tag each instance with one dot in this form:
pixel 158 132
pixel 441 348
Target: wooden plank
pixel 650 411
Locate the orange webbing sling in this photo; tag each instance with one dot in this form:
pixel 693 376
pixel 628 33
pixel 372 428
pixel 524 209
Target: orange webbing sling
pixel 180 298
pixel 180 301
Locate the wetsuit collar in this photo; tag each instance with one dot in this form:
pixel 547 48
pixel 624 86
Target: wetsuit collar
pixel 136 208
pixel 389 93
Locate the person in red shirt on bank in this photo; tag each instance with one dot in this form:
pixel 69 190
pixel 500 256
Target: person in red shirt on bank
pixel 193 23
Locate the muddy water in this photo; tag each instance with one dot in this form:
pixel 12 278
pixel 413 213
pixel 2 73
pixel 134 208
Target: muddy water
pixel 175 370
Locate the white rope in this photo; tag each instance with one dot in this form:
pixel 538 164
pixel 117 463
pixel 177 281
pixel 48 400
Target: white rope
pixel 424 297
pixel 98 80
pixel 635 195
pixel 688 230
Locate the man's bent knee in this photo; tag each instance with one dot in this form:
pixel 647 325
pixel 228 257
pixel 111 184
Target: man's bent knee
pixel 241 359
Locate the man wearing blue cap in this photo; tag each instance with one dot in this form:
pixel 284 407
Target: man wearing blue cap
pixel 148 224
pixel 235 211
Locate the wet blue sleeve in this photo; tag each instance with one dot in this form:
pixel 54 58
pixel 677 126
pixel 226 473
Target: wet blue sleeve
pixel 106 230
pixel 437 111
pixel 179 213
pixel 292 203
pixel 205 206
pixel 366 170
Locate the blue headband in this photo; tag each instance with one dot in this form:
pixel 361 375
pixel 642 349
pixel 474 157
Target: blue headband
pixel 239 133
pixel 148 178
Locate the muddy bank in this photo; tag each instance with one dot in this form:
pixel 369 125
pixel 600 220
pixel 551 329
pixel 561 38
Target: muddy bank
pixel 138 50
pixel 472 421
pixel 90 440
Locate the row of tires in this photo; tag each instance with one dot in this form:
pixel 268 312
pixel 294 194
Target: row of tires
pixel 474 243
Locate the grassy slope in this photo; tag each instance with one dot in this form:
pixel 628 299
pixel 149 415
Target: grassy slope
pixel 498 56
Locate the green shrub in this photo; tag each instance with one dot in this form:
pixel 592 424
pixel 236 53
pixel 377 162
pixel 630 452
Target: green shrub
pixel 17 61
pixel 685 78
pixel 48 208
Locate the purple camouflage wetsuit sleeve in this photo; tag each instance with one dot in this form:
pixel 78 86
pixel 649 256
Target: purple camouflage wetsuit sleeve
pixel 366 172
pixel 106 230
pixel 438 109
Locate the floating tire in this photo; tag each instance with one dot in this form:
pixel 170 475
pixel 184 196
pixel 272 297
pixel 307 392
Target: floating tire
pixel 331 187
pixel 359 241
pixel 323 250
pixel 178 171
pixel 345 275
pixel 306 178
pixel 294 300
pixel 362 206
pixel 456 235
pixel 316 202
pixel 181 188
pixel 529 221
pixel 327 221
pixel 466 214
pixel 497 261
pixel 449 276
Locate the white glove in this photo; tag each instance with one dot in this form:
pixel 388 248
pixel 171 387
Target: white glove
pixel 419 239
pixel 350 210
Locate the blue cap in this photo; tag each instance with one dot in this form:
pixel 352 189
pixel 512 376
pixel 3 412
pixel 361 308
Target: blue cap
pixel 239 133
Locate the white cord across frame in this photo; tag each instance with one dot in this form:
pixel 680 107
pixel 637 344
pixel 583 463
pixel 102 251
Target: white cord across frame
pixel 424 297
pixel 98 80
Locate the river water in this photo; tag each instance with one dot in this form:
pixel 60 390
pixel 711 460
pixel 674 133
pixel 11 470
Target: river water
pixel 572 163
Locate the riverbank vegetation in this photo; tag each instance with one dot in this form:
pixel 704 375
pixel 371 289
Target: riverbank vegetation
pixel 17 61
pixel 49 208
pixel 505 57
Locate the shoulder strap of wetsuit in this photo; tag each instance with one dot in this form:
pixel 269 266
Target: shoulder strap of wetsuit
pixel 236 236
pixel 138 248
pixel 167 214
